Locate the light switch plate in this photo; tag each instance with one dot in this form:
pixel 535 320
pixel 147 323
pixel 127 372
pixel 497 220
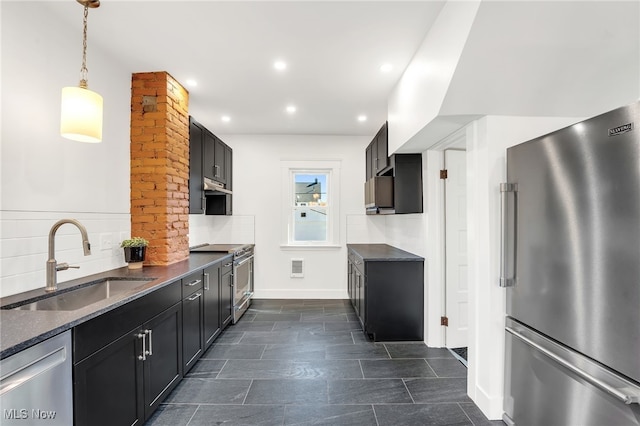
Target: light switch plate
pixel 106 241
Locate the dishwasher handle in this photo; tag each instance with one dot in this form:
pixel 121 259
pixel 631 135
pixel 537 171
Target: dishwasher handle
pixel 27 372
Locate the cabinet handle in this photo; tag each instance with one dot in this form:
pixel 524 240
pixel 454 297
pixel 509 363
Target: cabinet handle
pixel 150 333
pixel 194 297
pixel 228 264
pixel 143 336
pixel 202 203
pixel 215 170
pixel 206 281
pixel 195 282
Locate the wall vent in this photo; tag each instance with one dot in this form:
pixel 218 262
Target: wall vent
pixel 297 268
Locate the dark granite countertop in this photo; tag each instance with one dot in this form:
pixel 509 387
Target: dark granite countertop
pixel 382 252
pixel 20 329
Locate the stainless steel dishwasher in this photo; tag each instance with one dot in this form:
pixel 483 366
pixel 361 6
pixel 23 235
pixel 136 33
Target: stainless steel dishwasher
pixel 36 384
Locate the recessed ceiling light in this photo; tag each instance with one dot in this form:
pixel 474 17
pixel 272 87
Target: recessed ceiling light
pixel 191 82
pixel 280 65
pixel 386 67
pixel 362 118
pixel 225 118
pixel 291 109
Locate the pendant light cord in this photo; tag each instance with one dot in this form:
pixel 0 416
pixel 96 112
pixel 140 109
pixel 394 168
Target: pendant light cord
pixel 84 72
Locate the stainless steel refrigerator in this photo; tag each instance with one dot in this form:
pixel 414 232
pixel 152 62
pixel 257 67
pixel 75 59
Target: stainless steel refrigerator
pixel 571 265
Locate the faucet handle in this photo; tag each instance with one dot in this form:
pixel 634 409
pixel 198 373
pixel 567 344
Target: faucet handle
pixel 63 266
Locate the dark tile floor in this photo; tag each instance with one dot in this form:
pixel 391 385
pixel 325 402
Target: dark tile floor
pixel 307 362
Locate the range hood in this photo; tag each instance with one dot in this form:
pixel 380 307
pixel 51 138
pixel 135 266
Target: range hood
pixel 212 187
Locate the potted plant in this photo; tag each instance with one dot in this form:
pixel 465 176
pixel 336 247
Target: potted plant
pixel 134 251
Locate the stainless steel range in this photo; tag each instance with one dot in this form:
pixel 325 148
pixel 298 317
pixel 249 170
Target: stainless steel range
pixel 242 273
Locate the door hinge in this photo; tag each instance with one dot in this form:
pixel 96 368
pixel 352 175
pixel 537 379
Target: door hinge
pixel 444 174
pixel 444 321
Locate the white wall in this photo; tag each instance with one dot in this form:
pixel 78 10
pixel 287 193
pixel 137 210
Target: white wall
pixel 44 177
pixel 417 98
pixel 487 140
pixel 257 200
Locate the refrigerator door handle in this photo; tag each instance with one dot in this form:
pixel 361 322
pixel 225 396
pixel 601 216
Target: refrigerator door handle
pixel 628 395
pixel 507 236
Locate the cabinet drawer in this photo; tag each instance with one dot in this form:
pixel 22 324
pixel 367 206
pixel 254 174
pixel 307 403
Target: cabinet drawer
pixel 93 335
pixel 227 266
pixel 192 283
pixel 358 263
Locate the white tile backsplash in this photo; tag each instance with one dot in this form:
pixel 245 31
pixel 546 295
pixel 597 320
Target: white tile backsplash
pixel 365 229
pixel 404 231
pixel 24 247
pixel 221 229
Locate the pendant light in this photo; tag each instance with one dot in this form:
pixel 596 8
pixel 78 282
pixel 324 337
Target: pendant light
pixel 81 112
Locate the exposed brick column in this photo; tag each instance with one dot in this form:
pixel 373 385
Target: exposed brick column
pixel 160 166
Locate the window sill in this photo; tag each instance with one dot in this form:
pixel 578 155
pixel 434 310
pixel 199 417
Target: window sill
pixel 310 247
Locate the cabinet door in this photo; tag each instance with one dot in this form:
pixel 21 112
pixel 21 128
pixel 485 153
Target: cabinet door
pixel 382 143
pixel 368 158
pixel 209 145
pixel 360 302
pixel 192 331
pixel 196 188
pixel 374 157
pixel 226 298
pixel 228 166
pixel 163 363
pixel 108 385
pixel 212 320
pixel 350 280
pixel 219 172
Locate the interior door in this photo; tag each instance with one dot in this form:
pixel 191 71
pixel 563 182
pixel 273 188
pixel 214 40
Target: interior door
pixel 456 291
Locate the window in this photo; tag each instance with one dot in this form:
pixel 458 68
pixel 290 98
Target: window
pixel 310 206
pixel 309 203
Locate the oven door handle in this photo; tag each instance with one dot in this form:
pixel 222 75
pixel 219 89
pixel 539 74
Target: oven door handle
pixel 245 260
pixel 239 307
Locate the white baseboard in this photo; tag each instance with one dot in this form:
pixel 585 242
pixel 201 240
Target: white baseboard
pixel 492 407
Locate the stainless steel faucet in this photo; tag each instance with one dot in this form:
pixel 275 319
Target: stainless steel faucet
pixel 52 266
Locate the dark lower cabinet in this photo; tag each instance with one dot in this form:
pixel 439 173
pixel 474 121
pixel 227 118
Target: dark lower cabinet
pixel 162 366
pixel 226 293
pixel 192 330
pixel 211 316
pixel 128 360
pixel 108 386
pixel 125 382
pixel 386 288
pixel 356 282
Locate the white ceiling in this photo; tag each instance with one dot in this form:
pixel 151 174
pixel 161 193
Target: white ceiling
pixel 333 50
pixel 570 58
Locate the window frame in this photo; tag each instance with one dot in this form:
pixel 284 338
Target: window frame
pixel 289 169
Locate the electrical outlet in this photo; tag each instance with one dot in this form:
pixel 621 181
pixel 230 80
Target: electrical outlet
pixel 106 241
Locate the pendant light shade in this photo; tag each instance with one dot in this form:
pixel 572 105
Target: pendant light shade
pixel 81 109
pixel 81 115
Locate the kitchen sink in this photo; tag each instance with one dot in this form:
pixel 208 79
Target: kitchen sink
pixel 84 296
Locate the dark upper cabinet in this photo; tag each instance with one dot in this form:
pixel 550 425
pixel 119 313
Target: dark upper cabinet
pixel 209 144
pixel 196 184
pixel 376 154
pixel 406 170
pixel 219 163
pixel 393 184
pixel 211 159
